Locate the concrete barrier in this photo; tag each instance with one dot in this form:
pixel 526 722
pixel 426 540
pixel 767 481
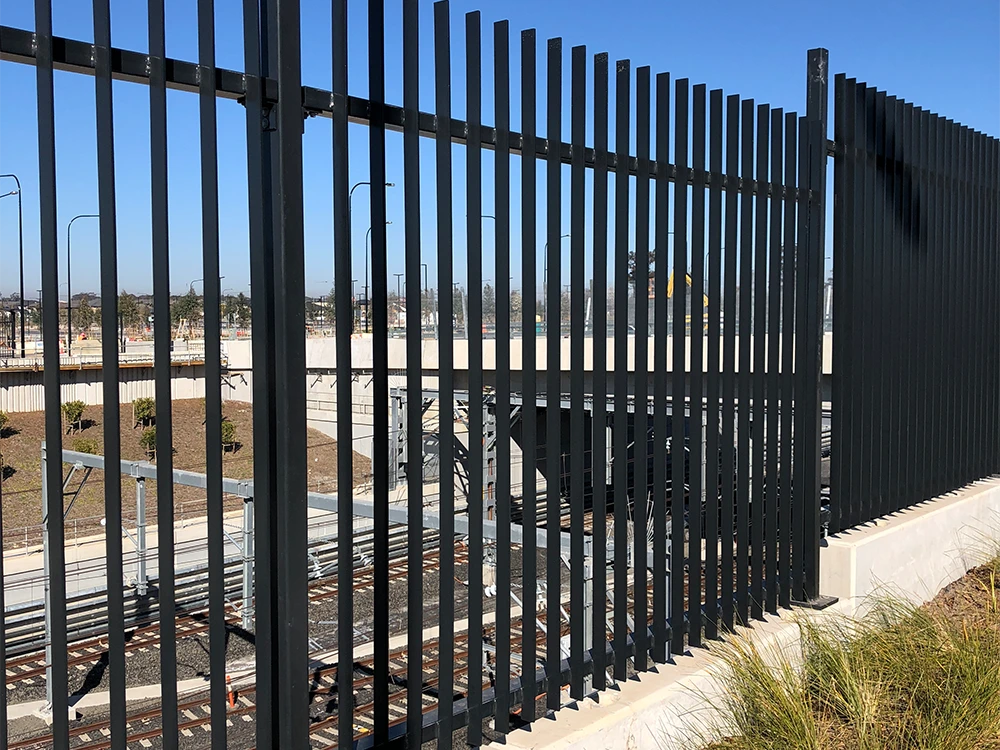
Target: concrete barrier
pixel 914 554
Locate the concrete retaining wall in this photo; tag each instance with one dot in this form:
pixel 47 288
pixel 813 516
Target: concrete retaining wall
pixel 22 391
pixel 914 553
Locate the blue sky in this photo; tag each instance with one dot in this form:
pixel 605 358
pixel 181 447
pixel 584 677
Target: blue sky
pixel 947 61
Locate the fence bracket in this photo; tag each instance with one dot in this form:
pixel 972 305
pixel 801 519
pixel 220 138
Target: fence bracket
pixel 817 603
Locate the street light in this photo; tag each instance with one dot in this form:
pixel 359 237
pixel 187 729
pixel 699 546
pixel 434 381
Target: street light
pixel 368 307
pixel 195 281
pixel 69 277
pixel 350 222
pixel 427 288
pixel 399 305
pixel 20 250
pixel 545 276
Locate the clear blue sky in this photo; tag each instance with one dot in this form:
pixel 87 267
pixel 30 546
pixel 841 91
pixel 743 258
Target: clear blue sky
pixel 946 59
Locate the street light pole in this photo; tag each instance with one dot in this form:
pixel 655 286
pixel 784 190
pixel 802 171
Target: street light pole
pixel 69 285
pixel 434 307
pixel 20 253
pixel 350 230
pixel 354 302
pixel 545 277
pixel 398 293
pixel 368 306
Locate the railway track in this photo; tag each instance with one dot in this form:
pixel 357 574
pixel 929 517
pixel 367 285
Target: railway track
pixel 145 725
pixel 27 667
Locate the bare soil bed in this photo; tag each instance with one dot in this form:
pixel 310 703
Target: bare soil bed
pixel 22 483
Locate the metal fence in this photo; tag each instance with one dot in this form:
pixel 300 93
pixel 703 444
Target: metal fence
pixel 915 382
pixel 671 491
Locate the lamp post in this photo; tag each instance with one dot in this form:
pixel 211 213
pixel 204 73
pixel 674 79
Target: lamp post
pixel 545 277
pixel 399 306
pixel 368 305
pixel 350 231
pixel 354 302
pixel 20 252
pixel 69 277
pixel 434 308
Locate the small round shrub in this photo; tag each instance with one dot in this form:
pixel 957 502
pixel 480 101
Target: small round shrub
pixel 228 433
pixel 87 445
pixel 148 441
pixel 73 412
pixel 144 410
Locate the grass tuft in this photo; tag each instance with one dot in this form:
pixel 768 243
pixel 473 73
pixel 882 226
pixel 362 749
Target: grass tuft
pixel 904 677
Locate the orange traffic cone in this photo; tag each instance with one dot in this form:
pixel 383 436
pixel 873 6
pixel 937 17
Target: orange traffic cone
pixel 229 689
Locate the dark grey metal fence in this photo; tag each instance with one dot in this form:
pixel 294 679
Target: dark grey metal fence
pixel 648 492
pixel 915 382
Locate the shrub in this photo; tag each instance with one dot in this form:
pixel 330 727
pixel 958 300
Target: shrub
pixel 228 434
pixel 87 445
pixel 144 411
pixel 4 419
pixel 73 411
pixel 148 441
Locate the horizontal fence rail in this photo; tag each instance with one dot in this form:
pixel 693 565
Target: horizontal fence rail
pixel 915 378
pixel 505 544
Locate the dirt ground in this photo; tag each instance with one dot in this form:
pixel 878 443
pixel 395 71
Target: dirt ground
pixel 972 598
pixel 22 483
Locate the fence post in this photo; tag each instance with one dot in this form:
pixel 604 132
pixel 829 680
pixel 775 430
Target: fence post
pixel 812 256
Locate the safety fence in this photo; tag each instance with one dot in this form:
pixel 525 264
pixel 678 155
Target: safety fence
pixel 916 382
pixel 635 495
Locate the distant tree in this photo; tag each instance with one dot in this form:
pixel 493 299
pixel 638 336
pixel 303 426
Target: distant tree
pixel 188 307
pixel 129 311
pixel 427 306
pixel 241 310
pixel 314 311
pixel 84 315
pixel 650 267
pixel 516 308
pixel 489 304
pixel 458 306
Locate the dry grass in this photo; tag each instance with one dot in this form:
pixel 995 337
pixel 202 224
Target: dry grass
pixel 21 446
pixel 903 678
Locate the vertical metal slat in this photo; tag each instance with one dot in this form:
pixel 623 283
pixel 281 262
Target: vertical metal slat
pixel 529 420
pixel 678 386
pixel 641 386
pixel 712 445
pixel 620 421
pixel 52 500
pixel 576 431
pixel 474 332
pixel 553 340
pixel 696 503
pixel 109 373
pixel 600 339
pixel 661 648
pixel 446 393
pixel 414 385
pixel 501 88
